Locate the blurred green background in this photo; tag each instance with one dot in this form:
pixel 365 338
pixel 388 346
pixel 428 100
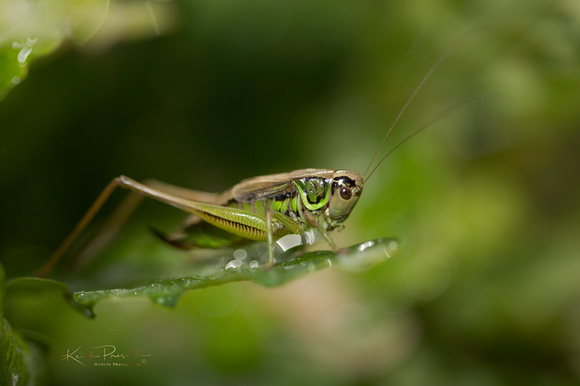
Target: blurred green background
pixel 486 201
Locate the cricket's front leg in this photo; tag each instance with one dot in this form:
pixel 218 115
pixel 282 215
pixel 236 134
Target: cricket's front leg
pixel 314 223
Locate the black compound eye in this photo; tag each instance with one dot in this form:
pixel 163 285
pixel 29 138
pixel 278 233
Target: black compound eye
pixel 345 193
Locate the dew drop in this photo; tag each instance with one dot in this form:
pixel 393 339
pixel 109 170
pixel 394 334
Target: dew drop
pixel 234 264
pixel 289 241
pixel 310 238
pixel 365 245
pixel 23 54
pixel 240 254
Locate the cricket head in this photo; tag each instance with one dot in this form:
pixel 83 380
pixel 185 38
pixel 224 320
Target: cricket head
pixel 345 191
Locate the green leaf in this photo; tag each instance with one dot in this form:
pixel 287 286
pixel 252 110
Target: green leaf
pixel 167 292
pixel 21 361
pixel 36 287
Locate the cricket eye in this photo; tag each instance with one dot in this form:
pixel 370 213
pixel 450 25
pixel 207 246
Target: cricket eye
pixel 345 193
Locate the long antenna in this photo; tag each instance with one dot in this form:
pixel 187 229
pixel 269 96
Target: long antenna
pixel 432 121
pixel 419 87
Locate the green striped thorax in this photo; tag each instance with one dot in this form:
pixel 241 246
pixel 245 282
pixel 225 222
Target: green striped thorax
pixel 336 194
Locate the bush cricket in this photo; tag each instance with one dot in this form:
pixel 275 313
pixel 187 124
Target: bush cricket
pixel 263 208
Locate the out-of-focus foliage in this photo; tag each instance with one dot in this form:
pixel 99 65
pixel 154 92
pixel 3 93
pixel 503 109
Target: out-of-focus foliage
pixel 31 28
pixel 487 200
pixel 21 361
